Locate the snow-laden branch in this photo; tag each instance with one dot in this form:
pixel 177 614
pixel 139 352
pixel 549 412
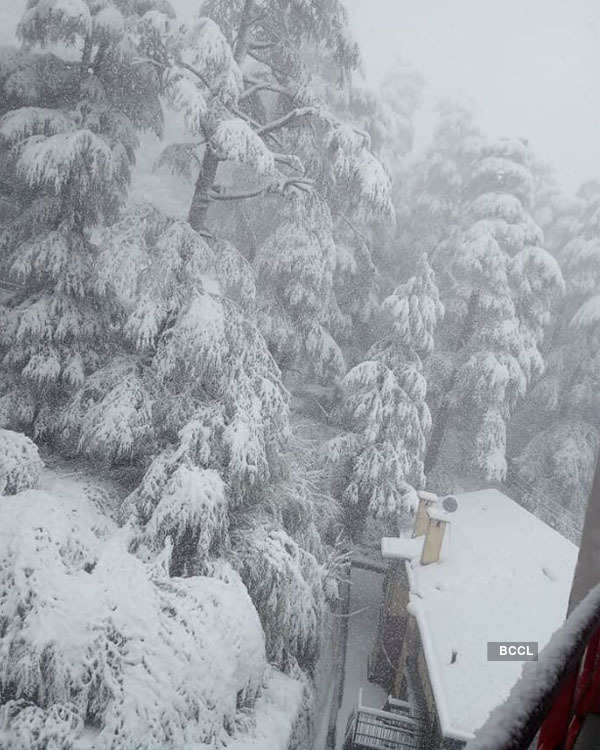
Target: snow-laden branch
pixel 294 114
pixel 195 72
pixel 216 196
pixel 256 85
pixel 305 185
pixel 262 45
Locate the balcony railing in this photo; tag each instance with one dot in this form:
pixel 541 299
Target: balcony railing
pixel 391 728
pixel 555 697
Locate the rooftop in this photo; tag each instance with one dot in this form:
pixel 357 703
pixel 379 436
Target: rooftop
pixel 402 548
pixel 503 575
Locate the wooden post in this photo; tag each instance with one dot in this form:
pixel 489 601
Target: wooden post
pixel 433 541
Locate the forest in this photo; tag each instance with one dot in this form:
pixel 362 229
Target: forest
pixel 238 304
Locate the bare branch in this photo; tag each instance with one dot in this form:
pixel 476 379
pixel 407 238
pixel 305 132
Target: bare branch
pixel 269 65
pixel 263 86
pixel 215 196
pixel 262 45
pixel 194 71
pixel 242 41
pixel 283 121
pixel 100 55
pixel 253 122
pixel 291 161
pixel 359 234
pixel 305 185
pixel 143 60
pixel 347 221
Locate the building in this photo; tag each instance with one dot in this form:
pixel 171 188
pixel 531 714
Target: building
pixel 488 571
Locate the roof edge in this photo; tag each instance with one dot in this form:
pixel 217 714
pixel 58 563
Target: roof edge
pixel 436 684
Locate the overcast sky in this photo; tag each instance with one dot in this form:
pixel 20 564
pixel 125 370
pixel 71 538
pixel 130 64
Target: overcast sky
pixel 532 67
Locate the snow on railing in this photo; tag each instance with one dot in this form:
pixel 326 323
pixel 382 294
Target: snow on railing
pixel 514 724
pixel 380 728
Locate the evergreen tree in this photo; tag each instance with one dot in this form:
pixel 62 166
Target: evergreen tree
pixel 557 463
pixel 67 142
pixel 368 263
pixel 131 339
pixel 380 457
pixel 431 200
pixel 269 136
pixel 497 310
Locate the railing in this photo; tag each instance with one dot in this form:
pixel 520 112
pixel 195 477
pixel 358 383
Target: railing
pixel 392 728
pixel 549 703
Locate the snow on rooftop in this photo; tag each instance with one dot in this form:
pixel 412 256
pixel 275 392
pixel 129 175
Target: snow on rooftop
pixel 510 718
pixel 401 548
pixel 503 575
pixel 438 513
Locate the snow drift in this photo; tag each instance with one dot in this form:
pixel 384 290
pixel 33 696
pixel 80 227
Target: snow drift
pixel 97 643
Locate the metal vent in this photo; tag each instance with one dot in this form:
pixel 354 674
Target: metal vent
pixel 449 503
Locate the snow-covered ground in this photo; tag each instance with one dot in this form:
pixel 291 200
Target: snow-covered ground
pixel 191 650
pixel 365 600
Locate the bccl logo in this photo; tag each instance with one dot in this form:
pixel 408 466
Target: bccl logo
pixel 512 651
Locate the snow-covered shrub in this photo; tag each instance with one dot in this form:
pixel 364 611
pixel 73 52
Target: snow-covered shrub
pixel 25 725
pixel 95 638
pixel 191 515
pixel 286 585
pixel 20 463
pixel 110 416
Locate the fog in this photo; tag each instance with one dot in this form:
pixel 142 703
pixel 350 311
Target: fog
pixel 530 68
pixel 278 348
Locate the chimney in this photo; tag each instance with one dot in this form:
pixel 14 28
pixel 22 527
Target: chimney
pixel 426 500
pixel 434 537
pixel 430 521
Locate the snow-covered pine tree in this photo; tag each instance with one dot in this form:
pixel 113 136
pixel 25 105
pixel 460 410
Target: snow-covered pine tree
pixel 256 101
pixel 380 457
pixel 199 403
pixel 295 267
pixel 503 285
pixel 190 396
pixel 557 214
pixel 553 210
pixel 67 142
pixel 366 262
pixel 430 200
pixel 557 463
pixel 193 395
pixel 399 98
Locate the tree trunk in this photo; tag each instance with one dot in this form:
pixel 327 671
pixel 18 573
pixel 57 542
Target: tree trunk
pixel 210 163
pixel 243 38
pixel 441 422
pixel 439 427
pixel 201 199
